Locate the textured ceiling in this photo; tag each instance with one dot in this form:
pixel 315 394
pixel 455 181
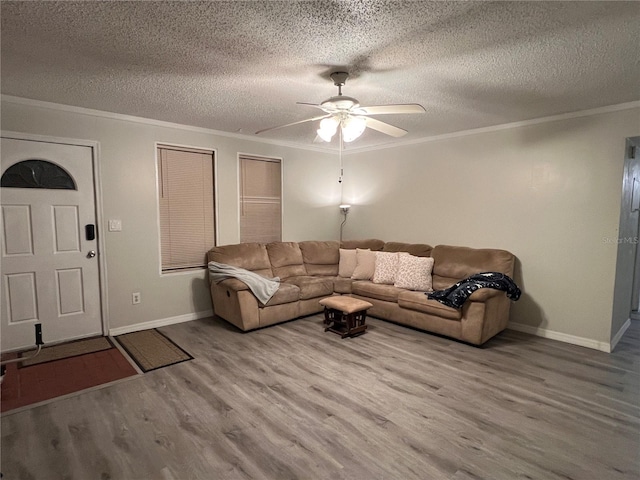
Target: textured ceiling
pixel 241 66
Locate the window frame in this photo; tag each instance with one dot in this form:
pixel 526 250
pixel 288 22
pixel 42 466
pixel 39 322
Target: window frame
pixel 216 238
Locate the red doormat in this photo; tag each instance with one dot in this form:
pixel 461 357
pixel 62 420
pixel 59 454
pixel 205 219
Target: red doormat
pixel 35 383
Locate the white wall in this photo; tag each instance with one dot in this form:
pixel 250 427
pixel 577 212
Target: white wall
pixel 548 192
pixel 128 180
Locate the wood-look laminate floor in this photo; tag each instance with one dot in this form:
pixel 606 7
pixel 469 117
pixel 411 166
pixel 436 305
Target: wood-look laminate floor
pixel 293 402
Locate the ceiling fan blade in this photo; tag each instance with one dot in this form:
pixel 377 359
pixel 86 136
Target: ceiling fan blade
pixel 293 123
pixel 384 127
pixel 392 109
pixel 315 105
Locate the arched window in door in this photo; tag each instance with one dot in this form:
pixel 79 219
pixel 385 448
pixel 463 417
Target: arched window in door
pixel 37 174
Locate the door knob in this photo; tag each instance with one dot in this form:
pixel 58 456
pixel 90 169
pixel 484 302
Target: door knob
pixel 91 254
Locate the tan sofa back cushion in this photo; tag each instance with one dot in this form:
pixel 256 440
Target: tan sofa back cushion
pixel 415 249
pixel 250 256
pixel 320 258
pixel 286 259
pixel 372 244
pixel 452 264
pixel 348 262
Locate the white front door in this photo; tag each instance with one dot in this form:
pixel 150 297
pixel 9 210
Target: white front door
pixel 49 269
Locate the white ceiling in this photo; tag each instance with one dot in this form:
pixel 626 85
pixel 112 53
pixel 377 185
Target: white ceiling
pixel 241 66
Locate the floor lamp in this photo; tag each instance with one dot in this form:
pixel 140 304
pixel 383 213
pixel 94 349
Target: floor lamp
pixel 344 208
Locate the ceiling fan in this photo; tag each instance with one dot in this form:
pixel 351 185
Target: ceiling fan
pixel 345 112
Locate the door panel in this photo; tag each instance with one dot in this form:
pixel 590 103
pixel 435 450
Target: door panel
pixel 17 230
pixel 46 275
pixel 70 293
pixel 66 228
pixel 22 298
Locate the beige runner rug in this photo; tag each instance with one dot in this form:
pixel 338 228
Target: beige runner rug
pixel 151 349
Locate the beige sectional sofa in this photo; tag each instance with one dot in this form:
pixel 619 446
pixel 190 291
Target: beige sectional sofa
pixel 309 272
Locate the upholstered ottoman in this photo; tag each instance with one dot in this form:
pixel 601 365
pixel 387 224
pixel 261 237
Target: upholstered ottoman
pixel 345 315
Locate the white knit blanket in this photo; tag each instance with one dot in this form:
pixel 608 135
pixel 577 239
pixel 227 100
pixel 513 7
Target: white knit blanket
pixel 262 287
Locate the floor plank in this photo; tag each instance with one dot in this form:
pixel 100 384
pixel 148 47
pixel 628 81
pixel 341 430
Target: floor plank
pixel 293 402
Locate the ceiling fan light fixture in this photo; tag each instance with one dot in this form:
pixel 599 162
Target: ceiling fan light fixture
pixel 328 128
pixel 325 135
pixel 352 128
pixel 344 112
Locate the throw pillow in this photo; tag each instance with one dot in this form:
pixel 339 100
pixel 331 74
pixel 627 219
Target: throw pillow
pixel 414 273
pixel 347 263
pixel 386 268
pixel 365 264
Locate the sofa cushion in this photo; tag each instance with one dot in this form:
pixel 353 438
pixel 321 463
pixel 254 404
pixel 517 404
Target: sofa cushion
pixel 286 259
pixel 250 256
pixel 452 264
pixel 365 265
pixel 286 293
pixel 370 244
pixel 388 293
pixel 419 302
pixel 347 263
pixel 414 273
pixel 417 249
pixel 312 287
pixel 320 258
pixel 342 285
pixel 386 268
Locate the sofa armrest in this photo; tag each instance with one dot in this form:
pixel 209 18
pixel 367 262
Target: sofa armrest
pixel 485 316
pixel 239 307
pixel 484 294
pixel 233 284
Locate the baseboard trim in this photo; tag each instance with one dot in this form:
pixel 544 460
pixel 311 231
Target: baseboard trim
pixel 561 337
pixel 161 322
pixel 616 338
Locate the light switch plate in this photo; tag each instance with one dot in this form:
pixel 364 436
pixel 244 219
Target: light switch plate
pixel 115 225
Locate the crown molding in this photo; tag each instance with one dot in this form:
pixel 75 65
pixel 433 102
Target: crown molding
pixel 157 123
pixel 315 148
pixel 505 126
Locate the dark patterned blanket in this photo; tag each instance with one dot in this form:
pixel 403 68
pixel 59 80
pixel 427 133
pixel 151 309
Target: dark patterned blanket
pixel 457 294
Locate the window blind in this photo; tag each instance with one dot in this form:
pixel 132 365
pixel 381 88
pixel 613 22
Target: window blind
pixel 186 197
pixel 260 200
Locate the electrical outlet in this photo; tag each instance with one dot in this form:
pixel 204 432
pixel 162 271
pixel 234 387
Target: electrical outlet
pixel 135 298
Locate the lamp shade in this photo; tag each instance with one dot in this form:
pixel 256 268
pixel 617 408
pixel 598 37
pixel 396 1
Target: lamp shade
pixel 328 127
pixel 352 128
